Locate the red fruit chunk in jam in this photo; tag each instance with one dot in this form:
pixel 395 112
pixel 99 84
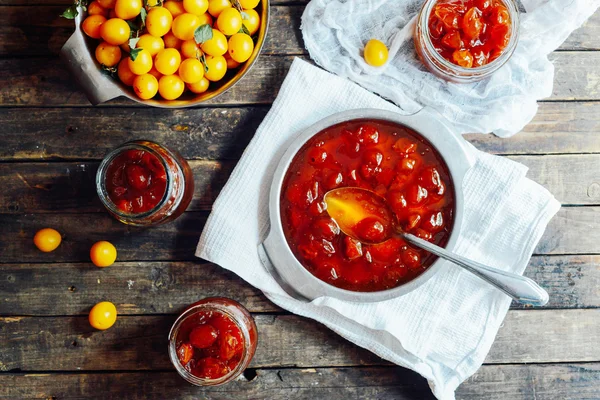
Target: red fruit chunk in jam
pixel 452 40
pixel 333 179
pixel 430 178
pixel 352 248
pixel 416 195
pixel 388 250
pixel 317 155
pixel 411 258
pixel 203 336
pixel 137 177
pixel 223 323
pixel 448 15
pixel 371 230
pixel 405 146
pixel 210 368
pixel 368 134
pixel 500 16
pixel 413 221
pixel 500 36
pixel 472 25
pixel 185 352
pixel 229 346
pixel 373 157
pixel 434 222
pixel 326 228
pixel 408 165
pixel 463 58
pixel 483 5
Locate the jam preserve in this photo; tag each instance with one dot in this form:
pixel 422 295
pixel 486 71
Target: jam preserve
pixel 466 40
pixel 389 159
pixel 144 183
pixel 213 341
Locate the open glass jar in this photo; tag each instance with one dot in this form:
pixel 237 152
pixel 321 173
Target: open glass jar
pixel 144 183
pixel 430 53
pixel 213 341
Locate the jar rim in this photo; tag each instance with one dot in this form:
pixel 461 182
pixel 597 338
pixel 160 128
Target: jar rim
pixel 223 309
pixel 457 70
pixel 101 181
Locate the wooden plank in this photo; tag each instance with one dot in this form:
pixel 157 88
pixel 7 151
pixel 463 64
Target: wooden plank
pixel 139 342
pixel 36 31
pixel 26 30
pixel 165 287
pixel 223 133
pixel 570 232
pixel 134 287
pixel 493 382
pixel 70 187
pixel 568 127
pixel 45 81
pixel 173 241
pixel 90 133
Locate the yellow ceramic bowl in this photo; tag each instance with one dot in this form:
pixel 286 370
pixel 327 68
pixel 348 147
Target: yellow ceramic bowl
pixel 78 54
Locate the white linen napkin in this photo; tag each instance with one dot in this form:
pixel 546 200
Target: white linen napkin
pixel 444 329
pixel 336 31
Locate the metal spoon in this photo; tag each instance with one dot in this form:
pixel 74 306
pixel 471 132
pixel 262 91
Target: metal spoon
pixel 353 207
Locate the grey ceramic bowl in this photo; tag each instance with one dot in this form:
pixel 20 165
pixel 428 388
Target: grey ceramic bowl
pixel 275 250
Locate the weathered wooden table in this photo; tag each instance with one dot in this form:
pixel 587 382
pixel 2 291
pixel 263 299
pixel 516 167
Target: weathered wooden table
pixel 50 146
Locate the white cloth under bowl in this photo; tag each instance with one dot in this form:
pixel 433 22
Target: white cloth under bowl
pixel 444 329
pixel 335 33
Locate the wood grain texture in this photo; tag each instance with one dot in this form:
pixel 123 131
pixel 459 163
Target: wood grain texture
pixel 90 133
pixel 38 31
pixel 224 133
pixel 140 342
pixel 45 81
pixel 165 287
pixel 491 382
pixel 569 232
pixel 70 187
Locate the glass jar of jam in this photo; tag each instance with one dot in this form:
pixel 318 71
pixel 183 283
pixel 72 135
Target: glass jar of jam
pixel 213 341
pixel 143 183
pixel 466 40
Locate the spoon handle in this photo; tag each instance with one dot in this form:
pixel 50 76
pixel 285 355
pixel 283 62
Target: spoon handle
pixel 520 288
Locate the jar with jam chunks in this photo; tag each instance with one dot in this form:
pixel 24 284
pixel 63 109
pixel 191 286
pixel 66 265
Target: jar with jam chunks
pixel 213 341
pixel 144 183
pixel 466 40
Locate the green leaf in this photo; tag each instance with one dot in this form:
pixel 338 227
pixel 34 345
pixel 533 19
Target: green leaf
pixel 203 33
pixel 133 53
pixel 70 13
pixel 244 15
pixel 132 26
pixel 133 42
pixel 143 15
pixel 245 30
pixel 202 59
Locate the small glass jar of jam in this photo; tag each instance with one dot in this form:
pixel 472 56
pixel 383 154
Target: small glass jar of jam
pixel 143 183
pixel 466 40
pixel 213 341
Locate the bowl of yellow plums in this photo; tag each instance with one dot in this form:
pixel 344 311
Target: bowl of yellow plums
pixel 164 54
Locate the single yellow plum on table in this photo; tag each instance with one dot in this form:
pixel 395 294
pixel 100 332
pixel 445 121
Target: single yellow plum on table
pixel 103 254
pixel 103 315
pixel 47 239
